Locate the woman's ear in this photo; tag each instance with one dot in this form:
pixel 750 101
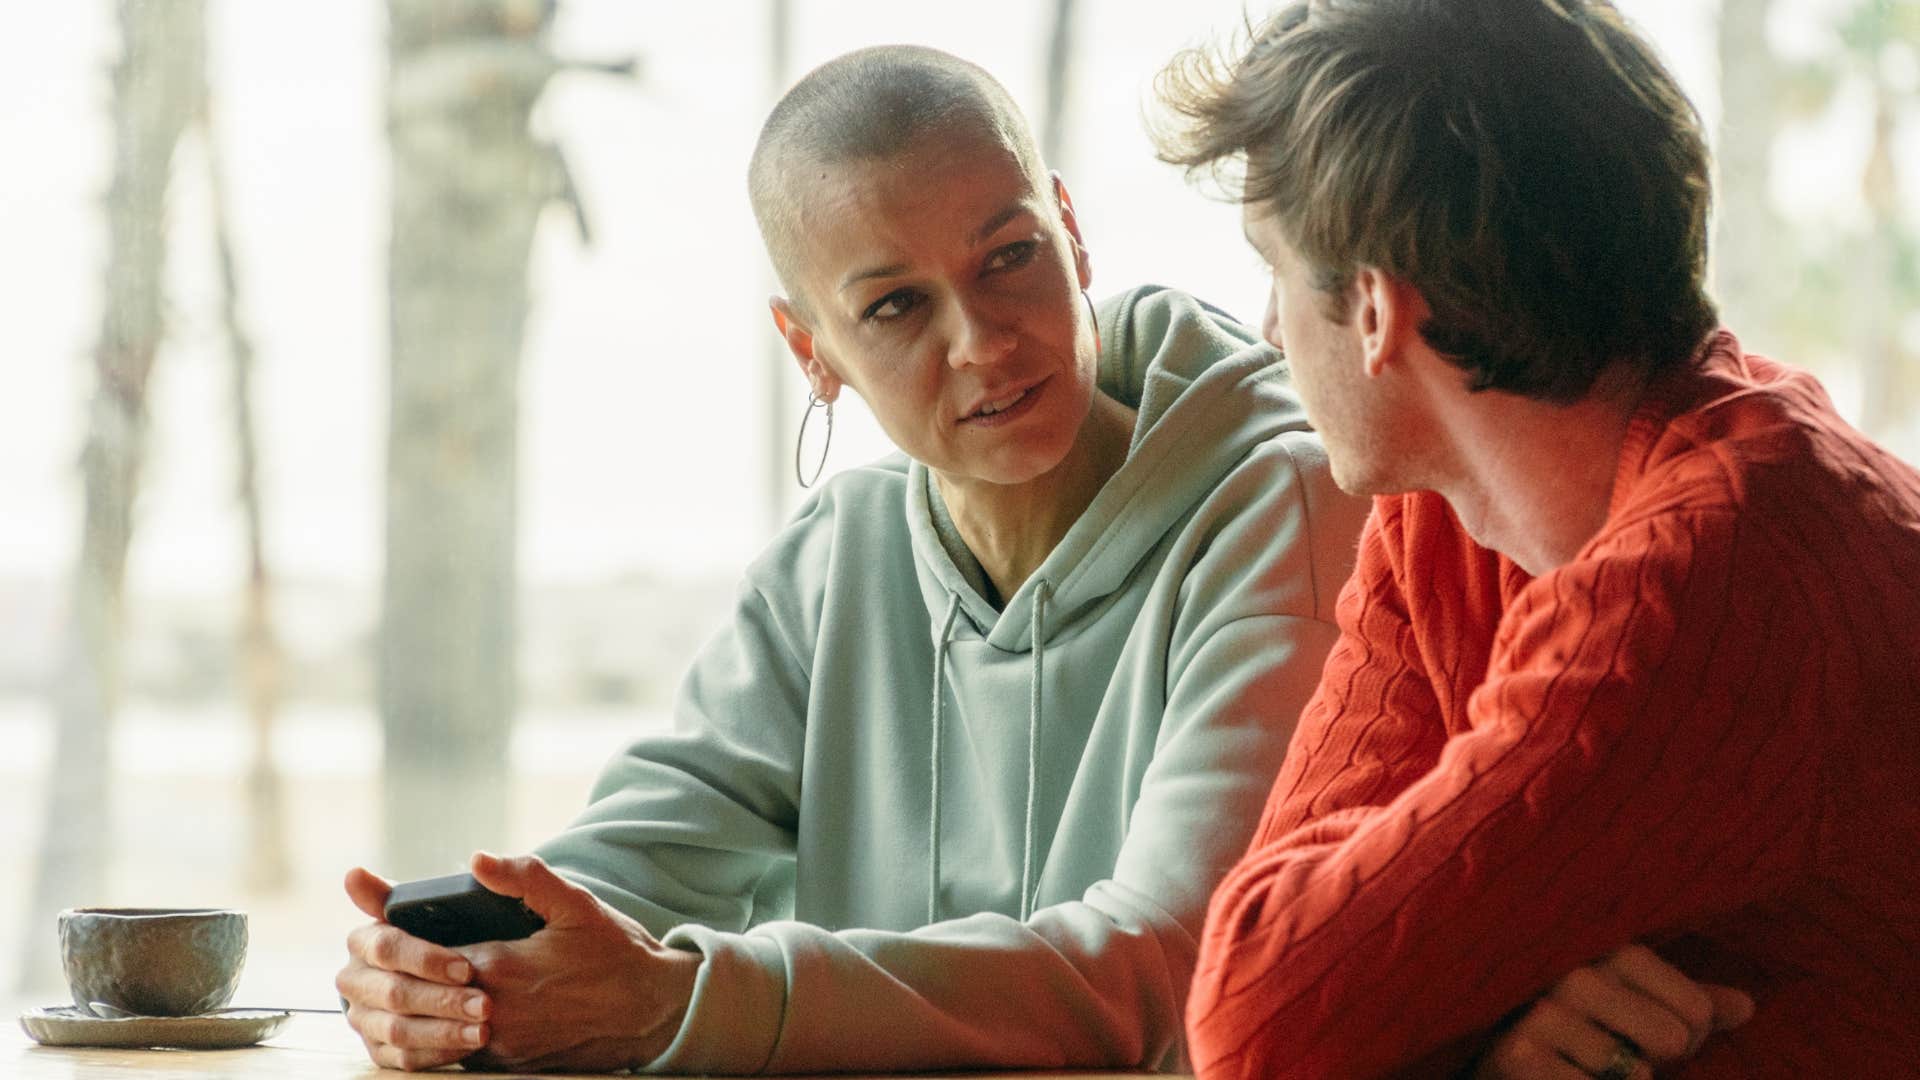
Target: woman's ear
pixel 1082 261
pixel 800 342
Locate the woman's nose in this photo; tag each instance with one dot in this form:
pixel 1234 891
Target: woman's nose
pixel 978 338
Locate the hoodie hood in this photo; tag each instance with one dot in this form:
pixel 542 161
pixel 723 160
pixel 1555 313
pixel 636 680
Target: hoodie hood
pixel 1207 390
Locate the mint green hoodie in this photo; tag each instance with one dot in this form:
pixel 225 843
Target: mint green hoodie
pixel 908 831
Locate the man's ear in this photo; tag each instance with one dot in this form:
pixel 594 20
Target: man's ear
pixel 799 339
pixel 1082 261
pixel 1387 313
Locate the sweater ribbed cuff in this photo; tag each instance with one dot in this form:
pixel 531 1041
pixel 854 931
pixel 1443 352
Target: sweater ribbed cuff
pixel 739 999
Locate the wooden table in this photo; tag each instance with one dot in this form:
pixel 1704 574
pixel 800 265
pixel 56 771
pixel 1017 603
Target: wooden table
pixel 309 1048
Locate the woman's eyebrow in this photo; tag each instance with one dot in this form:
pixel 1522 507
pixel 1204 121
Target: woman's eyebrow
pixel 858 276
pixel 1004 215
pixel 981 235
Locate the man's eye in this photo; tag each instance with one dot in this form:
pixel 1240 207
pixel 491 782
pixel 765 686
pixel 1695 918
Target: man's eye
pixel 892 306
pixel 1013 256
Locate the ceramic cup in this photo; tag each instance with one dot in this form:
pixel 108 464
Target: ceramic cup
pixel 154 961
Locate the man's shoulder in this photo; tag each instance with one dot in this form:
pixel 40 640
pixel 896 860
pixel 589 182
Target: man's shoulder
pixel 1762 457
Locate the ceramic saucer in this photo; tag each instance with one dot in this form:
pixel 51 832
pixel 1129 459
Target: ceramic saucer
pixel 65 1025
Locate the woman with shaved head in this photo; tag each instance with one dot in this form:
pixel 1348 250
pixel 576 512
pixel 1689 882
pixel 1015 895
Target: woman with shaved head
pixel 993 714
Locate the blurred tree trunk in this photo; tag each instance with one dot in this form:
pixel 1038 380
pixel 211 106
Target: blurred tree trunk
pixel 469 179
pixel 1881 404
pixel 156 81
pixel 782 402
pixel 268 866
pixel 1059 81
pixel 1747 231
pixel 1870 280
pixel 1888 386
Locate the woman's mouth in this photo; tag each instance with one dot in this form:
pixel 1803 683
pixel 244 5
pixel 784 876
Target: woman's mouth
pixel 1005 410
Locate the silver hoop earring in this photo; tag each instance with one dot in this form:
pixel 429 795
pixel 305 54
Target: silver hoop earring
pixel 800 440
pixel 1095 316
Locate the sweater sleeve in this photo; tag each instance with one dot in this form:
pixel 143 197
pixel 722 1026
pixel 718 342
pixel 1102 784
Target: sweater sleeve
pixel 1635 760
pixel 1099 981
pixel 684 824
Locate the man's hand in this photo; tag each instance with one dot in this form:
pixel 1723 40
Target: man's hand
pixel 591 992
pixel 1575 1031
pixel 407 999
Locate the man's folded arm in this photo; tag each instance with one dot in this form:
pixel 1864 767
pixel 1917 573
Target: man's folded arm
pixel 1631 768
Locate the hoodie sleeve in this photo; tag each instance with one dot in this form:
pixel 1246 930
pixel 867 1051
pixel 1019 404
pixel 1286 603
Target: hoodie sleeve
pixel 1100 981
pixel 683 825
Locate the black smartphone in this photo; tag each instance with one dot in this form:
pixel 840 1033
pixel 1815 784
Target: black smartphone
pixel 457 910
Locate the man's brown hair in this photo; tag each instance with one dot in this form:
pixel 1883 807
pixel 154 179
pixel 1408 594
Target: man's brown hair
pixel 1529 165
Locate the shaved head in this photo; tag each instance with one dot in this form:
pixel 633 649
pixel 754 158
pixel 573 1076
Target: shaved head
pixel 871 105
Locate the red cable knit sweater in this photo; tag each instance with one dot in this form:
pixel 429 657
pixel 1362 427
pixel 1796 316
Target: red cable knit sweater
pixel 1703 733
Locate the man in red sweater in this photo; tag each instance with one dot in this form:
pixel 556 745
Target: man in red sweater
pixel 1632 652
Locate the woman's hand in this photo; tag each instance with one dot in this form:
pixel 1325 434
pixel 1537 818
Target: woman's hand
pixel 408 999
pixel 591 992
pixel 1619 1018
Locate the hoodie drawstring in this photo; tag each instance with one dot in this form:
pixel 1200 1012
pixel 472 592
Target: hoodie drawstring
pixel 1041 592
pixel 939 707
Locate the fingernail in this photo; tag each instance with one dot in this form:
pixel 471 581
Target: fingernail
pixel 460 971
pixel 476 1006
pixel 471 1034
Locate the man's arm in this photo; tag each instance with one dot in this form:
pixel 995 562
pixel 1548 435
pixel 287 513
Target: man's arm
pixel 1633 764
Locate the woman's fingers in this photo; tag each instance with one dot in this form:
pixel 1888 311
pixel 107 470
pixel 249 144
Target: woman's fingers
pixel 413 1042
pixel 408 1059
pixel 390 948
pixel 419 1032
pixel 368 891
pixel 407 999
pixel 405 995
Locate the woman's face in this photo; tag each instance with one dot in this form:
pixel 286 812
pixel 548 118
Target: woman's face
pixel 943 286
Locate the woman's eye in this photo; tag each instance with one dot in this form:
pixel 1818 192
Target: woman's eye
pixel 1013 256
pixel 892 306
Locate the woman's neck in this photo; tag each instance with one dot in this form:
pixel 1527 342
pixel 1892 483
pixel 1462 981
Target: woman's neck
pixel 1012 528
